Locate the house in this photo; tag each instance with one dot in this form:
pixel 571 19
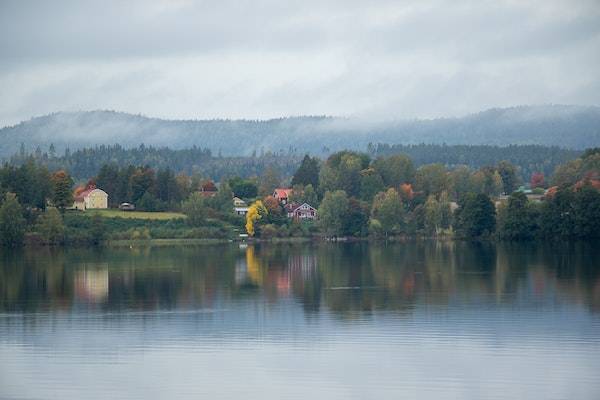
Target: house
pixel 239 206
pixel 241 210
pixel 91 198
pixel 282 195
pixel 208 189
pixel 237 202
pixel 302 211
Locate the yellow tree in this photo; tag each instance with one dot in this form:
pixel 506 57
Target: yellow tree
pixel 256 211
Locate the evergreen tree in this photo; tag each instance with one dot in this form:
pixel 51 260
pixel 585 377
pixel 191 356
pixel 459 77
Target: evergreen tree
pixel 62 194
pixel 307 173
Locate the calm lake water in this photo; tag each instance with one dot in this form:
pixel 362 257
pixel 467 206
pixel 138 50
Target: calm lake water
pixel 426 320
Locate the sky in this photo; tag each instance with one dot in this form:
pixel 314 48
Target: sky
pixel 184 59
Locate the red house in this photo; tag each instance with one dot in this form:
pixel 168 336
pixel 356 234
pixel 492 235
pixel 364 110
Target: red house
pixel 301 211
pixel 282 195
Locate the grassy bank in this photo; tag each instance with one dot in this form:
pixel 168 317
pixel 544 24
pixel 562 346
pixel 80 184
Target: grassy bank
pixel 144 215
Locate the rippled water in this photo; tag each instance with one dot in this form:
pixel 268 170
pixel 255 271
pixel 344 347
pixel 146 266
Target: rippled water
pixel 414 320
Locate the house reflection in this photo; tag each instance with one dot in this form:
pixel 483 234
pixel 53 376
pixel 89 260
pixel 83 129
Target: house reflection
pixel 91 285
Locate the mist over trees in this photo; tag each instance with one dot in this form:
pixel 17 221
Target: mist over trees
pixel 554 125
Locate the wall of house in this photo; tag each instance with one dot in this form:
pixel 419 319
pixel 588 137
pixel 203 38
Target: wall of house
pixel 96 200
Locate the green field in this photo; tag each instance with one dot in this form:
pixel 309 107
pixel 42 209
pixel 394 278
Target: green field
pixel 159 215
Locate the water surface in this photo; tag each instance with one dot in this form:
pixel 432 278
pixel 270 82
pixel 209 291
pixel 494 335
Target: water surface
pixel 425 320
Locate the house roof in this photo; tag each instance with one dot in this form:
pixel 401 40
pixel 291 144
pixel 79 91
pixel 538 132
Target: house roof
pixel 282 193
pixel 82 195
pixel 295 206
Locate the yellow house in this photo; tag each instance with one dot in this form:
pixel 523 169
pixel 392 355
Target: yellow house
pixel 90 199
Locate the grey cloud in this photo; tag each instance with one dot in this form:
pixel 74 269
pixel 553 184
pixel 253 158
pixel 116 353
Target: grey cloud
pixel 268 58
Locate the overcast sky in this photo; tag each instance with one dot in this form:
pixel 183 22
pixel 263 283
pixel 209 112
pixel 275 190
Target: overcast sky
pixel 271 58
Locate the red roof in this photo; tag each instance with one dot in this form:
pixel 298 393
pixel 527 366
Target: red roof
pixel 282 193
pixel 81 195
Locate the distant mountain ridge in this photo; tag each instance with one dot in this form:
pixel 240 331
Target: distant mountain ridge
pixel 575 127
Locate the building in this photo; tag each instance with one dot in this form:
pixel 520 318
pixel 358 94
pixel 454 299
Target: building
pixel 239 206
pixel 91 198
pixel 282 195
pixel 302 211
pixel 237 202
pixel 208 189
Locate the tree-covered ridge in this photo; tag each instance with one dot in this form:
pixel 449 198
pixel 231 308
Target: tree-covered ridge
pixel 553 125
pixel 529 158
pixel 84 163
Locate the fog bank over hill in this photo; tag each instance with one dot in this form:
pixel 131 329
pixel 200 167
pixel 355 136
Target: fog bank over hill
pixel 575 127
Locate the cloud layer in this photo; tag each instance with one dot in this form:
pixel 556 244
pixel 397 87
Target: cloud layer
pixel 267 58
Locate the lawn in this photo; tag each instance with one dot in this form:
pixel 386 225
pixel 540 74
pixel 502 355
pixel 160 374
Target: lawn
pixel 112 213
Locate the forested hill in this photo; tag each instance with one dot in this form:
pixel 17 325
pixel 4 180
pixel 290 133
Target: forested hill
pixel 84 163
pixel 566 126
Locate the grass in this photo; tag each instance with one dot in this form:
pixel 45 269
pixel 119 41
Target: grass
pixel 158 215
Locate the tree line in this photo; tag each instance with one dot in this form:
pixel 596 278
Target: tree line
pixel 86 162
pixel 355 194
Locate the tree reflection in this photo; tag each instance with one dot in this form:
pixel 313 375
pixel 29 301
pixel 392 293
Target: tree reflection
pixel 351 280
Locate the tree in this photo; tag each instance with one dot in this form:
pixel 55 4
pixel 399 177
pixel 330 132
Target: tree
pixel 195 209
pixel 148 202
pixel 370 184
pixel 333 212
pixel 222 201
pixel 537 180
pixel 307 173
pixel 243 188
pixel 62 194
pixel 108 180
pixel 558 215
pixel 432 179
pixel 141 181
pixel 270 180
pixel 388 210
pixel 357 218
pixel 518 219
pixel 433 215
pixel 51 227
pixel 508 173
pixel 304 194
pixel 12 223
pixel 475 216
pixel 342 171
pixel 587 212
pixel 256 212
pixel 395 170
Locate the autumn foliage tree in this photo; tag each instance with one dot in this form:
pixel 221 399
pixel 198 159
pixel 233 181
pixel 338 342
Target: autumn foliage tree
pixel 256 212
pixel 537 180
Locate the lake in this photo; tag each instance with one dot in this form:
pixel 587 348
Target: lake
pixel 426 320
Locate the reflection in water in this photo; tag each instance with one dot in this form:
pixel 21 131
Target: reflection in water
pixel 419 319
pixel 91 285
